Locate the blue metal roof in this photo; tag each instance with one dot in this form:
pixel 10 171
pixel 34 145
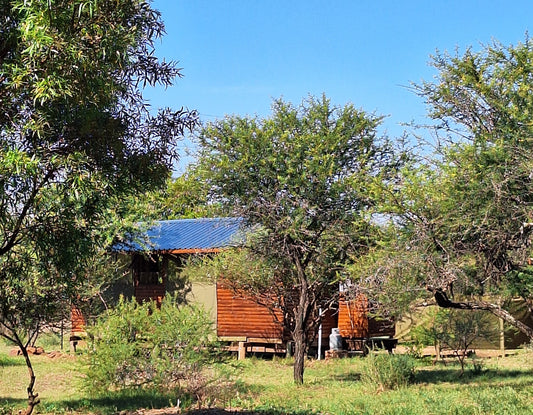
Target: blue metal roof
pixel 202 235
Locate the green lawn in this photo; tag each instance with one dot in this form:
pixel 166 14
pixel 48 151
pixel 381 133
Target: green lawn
pixel 504 386
pixel 334 387
pixel 57 380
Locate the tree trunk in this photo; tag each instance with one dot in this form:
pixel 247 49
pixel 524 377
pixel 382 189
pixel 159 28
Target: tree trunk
pixel 444 302
pixel 33 398
pixel 437 352
pixel 299 357
pixel 300 329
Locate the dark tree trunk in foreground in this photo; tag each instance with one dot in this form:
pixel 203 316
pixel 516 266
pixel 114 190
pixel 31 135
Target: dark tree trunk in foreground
pixel 33 398
pixel 300 333
pixel 300 349
pixel 444 302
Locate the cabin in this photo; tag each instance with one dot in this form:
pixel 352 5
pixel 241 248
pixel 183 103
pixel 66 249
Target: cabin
pixel 360 331
pixel 78 324
pixel 244 325
pixel 169 243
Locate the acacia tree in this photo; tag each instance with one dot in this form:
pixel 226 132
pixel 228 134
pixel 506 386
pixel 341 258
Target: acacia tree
pixel 301 175
pixel 466 217
pixel 76 138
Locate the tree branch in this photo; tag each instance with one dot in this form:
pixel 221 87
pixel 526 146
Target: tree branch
pixel 13 239
pixel 443 301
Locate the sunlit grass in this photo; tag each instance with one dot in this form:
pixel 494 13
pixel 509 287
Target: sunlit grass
pixel 334 387
pixel 57 378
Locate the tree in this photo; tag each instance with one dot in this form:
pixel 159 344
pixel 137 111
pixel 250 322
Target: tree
pixel 465 218
pixel 301 175
pixel 76 139
pixel 457 330
pixel 461 330
pixel 183 197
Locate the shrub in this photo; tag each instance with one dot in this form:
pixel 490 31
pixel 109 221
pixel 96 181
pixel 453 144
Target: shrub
pixel 478 366
pixel 387 371
pixel 6 361
pixel 138 346
pixel 49 340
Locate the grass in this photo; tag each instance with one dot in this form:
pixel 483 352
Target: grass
pixel 266 386
pixel 334 387
pixel 57 378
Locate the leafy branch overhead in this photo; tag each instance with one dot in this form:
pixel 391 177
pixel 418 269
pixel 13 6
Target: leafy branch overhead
pixel 77 139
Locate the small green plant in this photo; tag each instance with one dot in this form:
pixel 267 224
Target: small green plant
pixel 49 340
pixel 6 409
pixel 462 329
pixel 478 366
pixel 415 349
pixel 387 371
pixel 431 332
pixel 455 330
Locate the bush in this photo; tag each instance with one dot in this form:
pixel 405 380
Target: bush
pixel 137 346
pixel 49 340
pixel 387 371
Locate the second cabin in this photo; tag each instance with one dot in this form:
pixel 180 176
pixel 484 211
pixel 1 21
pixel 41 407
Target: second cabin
pixel 242 323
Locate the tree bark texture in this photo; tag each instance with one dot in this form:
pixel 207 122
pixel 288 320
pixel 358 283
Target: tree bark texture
pixel 300 327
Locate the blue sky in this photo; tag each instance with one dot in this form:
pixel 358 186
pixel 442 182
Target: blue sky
pixel 238 55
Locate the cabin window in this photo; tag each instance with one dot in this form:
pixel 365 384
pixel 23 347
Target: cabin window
pixel 147 270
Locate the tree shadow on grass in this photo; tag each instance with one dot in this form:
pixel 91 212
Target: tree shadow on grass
pixel 347 377
pixel 153 403
pixel 10 402
pixel 452 375
pixel 123 403
pixel 134 407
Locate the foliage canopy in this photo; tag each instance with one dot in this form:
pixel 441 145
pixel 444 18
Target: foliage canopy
pixel 304 176
pixel 465 217
pixel 76 139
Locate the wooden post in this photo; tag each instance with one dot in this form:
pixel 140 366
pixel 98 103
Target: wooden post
pixel 242 351
pixel 320 334
pixel 502 338
pixel 62 334
pixel 502 333
pixel 288 350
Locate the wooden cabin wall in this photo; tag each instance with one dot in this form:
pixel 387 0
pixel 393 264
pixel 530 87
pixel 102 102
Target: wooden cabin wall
pixel 329 321
pixel 238 317
pixel 148 292
pixel 78 322
pixel 353 317
pixel 355 323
